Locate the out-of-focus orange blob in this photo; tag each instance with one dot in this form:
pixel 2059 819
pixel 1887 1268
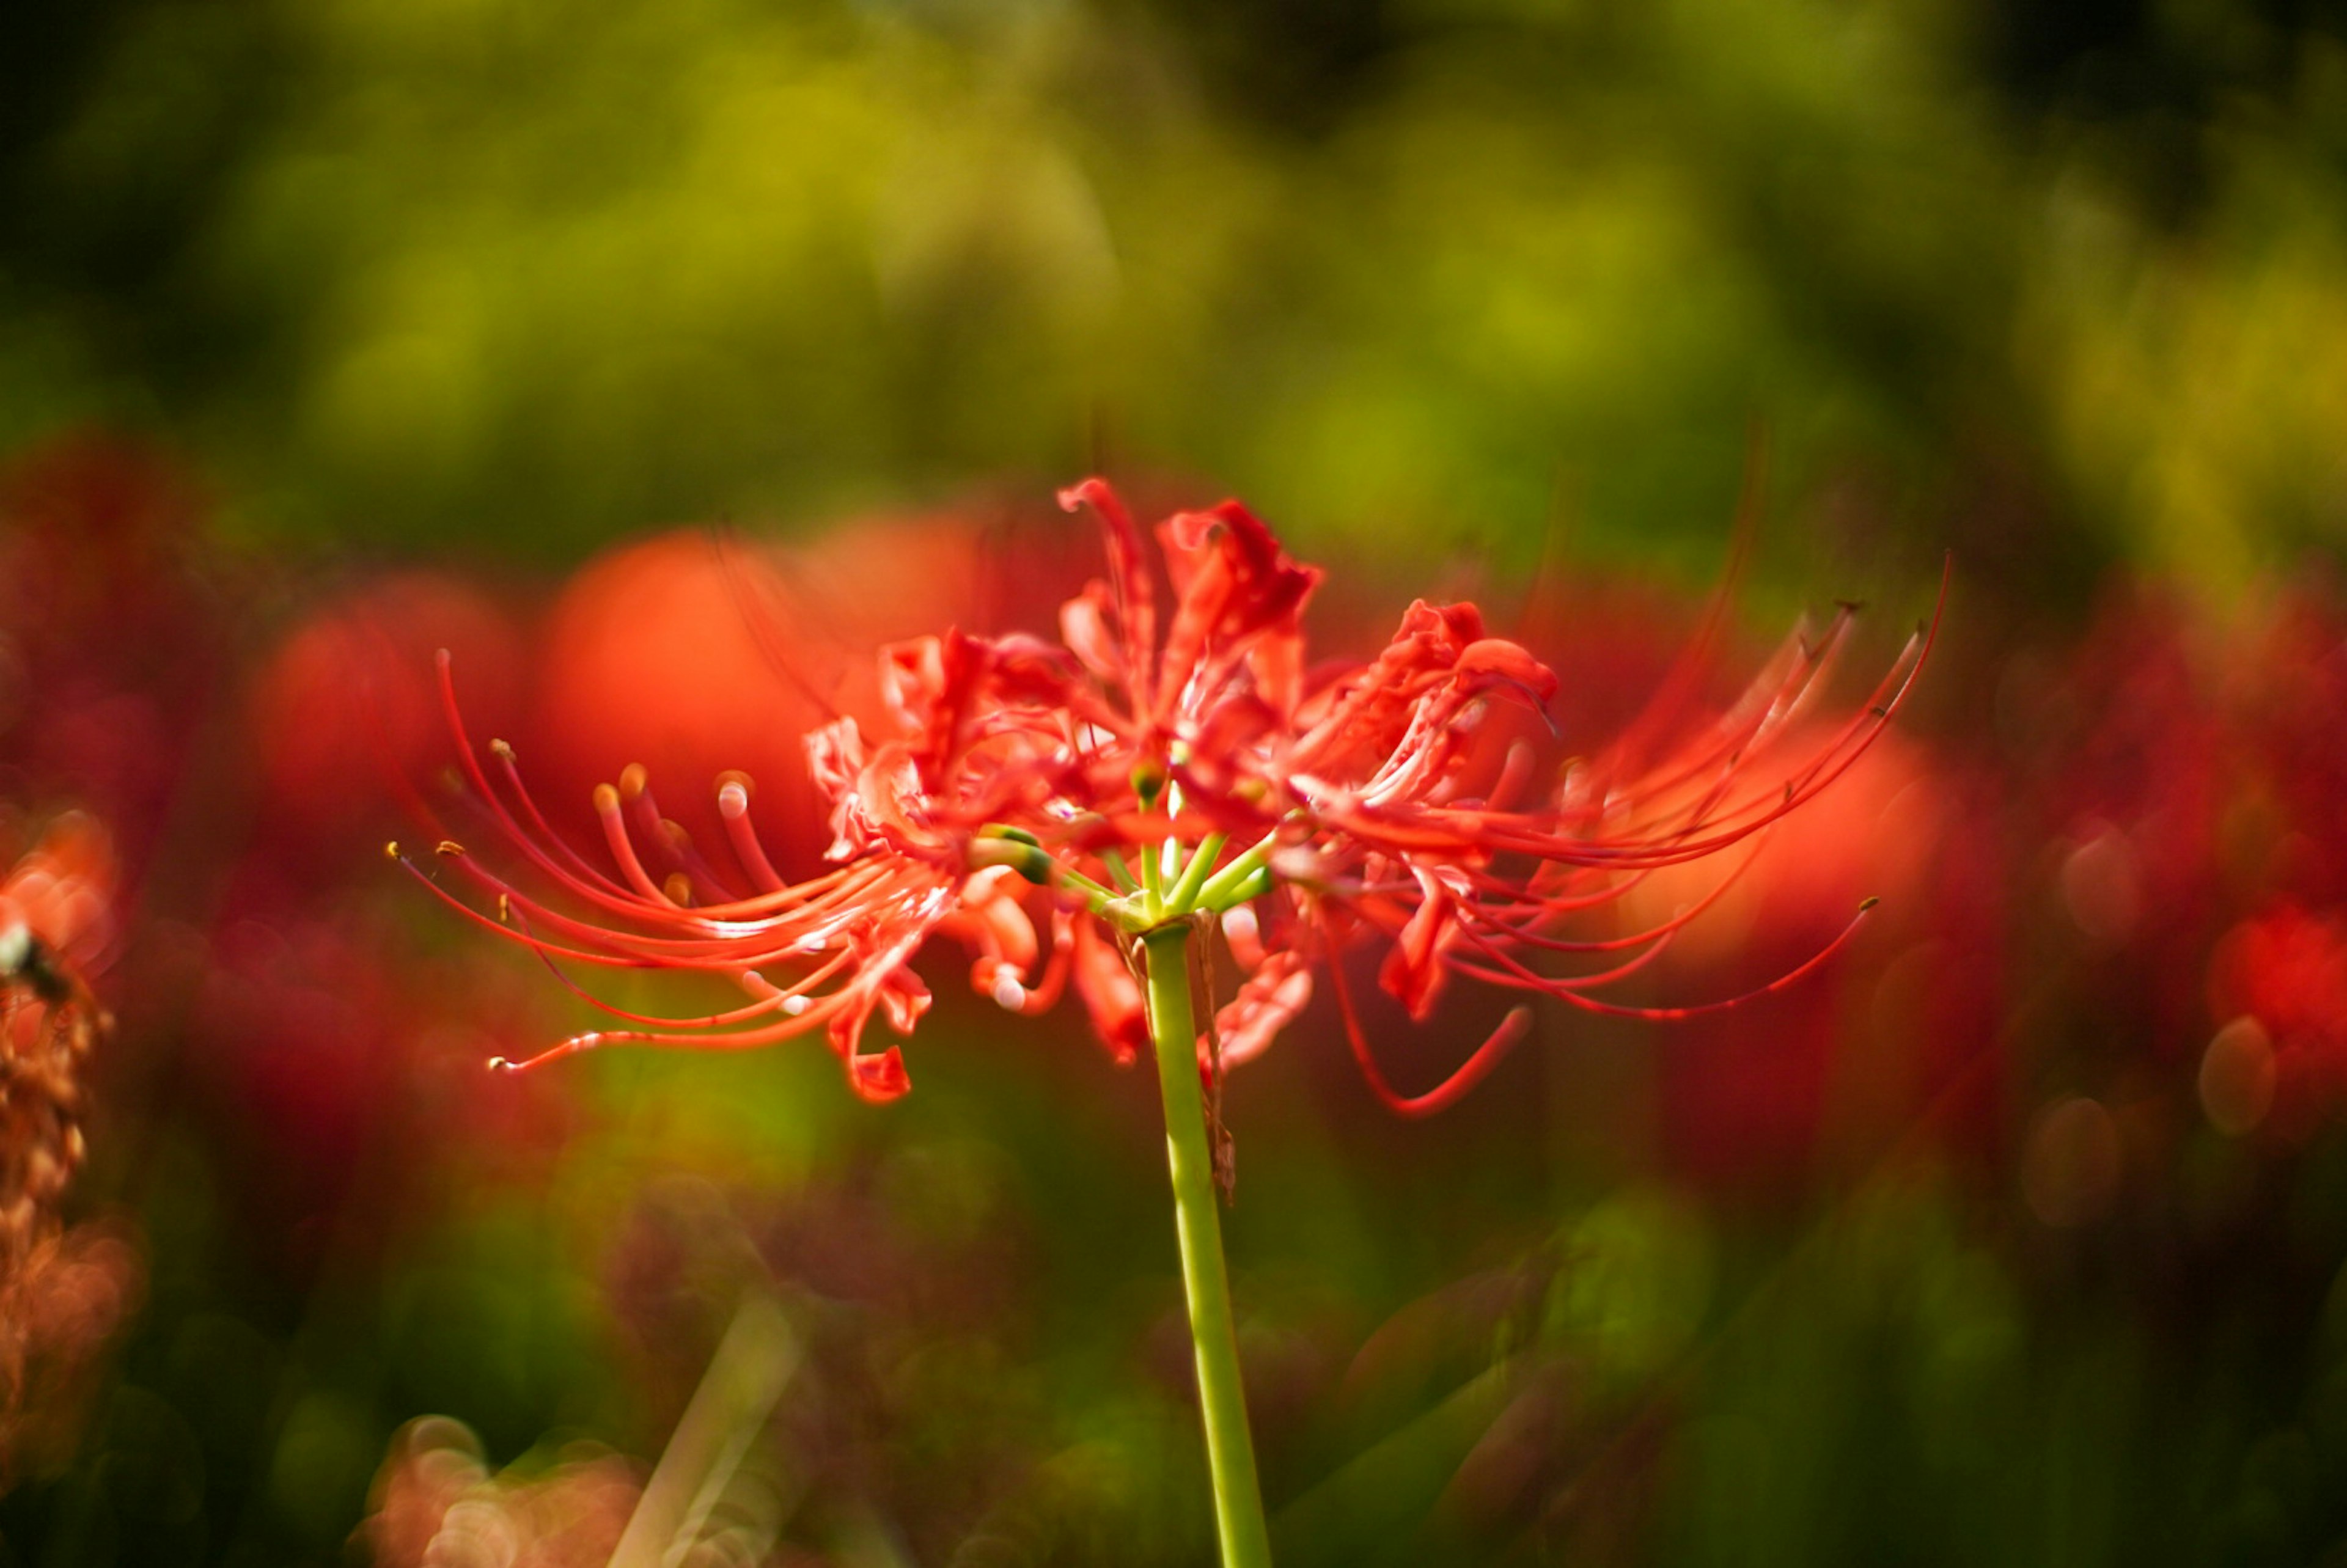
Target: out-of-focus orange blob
pixel 436 1501
pixel 695 655
pixel 2237 1076
pixel 2072 1163
pixel 63 889
pixel 347 709
pixel 1890 1034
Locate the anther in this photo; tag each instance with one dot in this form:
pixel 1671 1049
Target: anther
pixel 501 750
pixel 1870 904
pixel 448 848
pixel 679 889
pixel 391 850
pixel 732 794
pixel 1008 994
pixel 631 780
pixel 607 799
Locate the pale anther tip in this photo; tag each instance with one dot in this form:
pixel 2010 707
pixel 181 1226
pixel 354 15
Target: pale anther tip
pixel 442 657
pixel 501 749
pixel 1009 995
pixel 499 1064
pixel 606 798
pixel 633 779
pixel 795 1004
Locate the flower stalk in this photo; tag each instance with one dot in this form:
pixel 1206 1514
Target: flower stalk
pixel 1075 813
pixel 1205 1280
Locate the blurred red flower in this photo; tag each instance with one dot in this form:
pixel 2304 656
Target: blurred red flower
pixel 1900 1038
pixel 2287 969
pixel 109 639
pixel 701 654
pixel 343 714
pixel 62 1291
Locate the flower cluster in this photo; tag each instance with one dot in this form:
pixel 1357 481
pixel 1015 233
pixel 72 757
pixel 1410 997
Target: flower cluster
pixel 1049 803
pixel 62 1291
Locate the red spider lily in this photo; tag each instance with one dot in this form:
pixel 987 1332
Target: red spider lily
pixel 1046 803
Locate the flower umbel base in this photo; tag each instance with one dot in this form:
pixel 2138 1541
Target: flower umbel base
pixel 1206 1281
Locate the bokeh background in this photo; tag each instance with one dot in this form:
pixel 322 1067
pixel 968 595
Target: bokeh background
pixel 660 358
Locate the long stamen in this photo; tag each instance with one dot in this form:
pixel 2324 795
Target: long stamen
pixel 1514 975
pixel 586 887
pixel 1463 1078
pixel 778 939
pixel 771 998
pixel 1531 938
pixel 733 806
pixel 623 848
pixel 510 766
pixel 636 797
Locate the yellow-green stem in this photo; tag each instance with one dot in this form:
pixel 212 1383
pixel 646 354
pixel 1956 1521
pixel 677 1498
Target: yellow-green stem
pixel 1230 1449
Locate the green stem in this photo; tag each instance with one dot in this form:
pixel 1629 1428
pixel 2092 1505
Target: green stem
pixel 1221 889
pixel 1230 1450
pixel 1152 879
pixel 1070 877
pixel 1182 896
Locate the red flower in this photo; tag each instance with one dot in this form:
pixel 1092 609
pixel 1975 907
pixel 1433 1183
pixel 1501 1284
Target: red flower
pixel 2287 968
pixel 1047 803
pixel 62 1291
